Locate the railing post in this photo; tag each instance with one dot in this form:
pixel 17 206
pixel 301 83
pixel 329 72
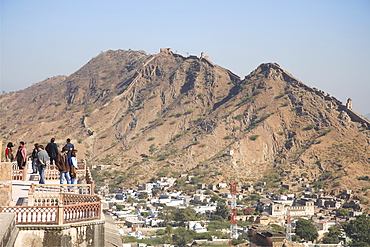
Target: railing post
pixel 61 209
pixel 60 214
pixel 24 173
pixel 92 188
pixel 31 200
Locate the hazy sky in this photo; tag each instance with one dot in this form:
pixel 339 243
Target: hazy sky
pixel 324 43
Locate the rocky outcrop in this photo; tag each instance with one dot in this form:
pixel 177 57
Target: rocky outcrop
pixel 169 114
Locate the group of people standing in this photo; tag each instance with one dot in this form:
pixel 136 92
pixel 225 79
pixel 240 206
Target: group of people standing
pixel 65 161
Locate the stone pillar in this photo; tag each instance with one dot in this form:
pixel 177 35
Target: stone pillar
pixel 349 104
pixel 5 180
pixel 60 213
pixel 6 171
pixel 5 192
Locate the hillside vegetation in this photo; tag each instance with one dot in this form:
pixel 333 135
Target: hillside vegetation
pixel 165 115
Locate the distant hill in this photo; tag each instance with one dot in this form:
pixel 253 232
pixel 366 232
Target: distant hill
pixel 165 114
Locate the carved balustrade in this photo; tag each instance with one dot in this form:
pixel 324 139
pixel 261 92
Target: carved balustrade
pixel 55 215
pixel 57 204
pixel 50 194
pixel 81 212
pixel 52 172
pixel 33 215
pixel 89 179
pixel 18 174
pixel 70 199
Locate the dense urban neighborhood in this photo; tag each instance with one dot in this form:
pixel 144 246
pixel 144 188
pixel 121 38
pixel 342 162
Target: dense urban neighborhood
pixel 158 213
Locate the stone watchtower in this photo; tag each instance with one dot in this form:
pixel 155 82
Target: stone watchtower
pixel 349 104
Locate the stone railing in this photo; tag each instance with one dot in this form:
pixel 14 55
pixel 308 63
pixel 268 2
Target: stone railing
pixel 55 215
pixel 52 172
pixel 64 209
pixel 18 174
pixel 70 199
pixel 50 194
pixel 34 215
pixel 81 212
pixel 89 179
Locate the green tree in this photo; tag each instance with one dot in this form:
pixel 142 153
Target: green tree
pixel 143 195
pixel 183 215
pixel 305 229
pixel 222 210
pixel 342 212
pixel 208 235
pixel 358 231
pixel 277 228
pixel 145 214
pixel 168 230
pixel 218 225
pixel 215 198
pixel 181 237
pixel 160 232
pixel 332 237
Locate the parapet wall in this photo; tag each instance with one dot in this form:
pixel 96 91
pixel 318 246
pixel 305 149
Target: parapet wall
pixel 355 117
pixel 81 234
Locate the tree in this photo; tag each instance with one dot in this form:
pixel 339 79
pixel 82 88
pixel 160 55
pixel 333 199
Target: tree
pixel 358 231
pixel 168 230
pixel 305 229
pixel 181 236
pixel 183 215
pixel 342 212
pixel 217 225
pixel 143 195
pixel 222 210
pixel 277 228
pixel 332 237
pixel 145 214
pixel 215 198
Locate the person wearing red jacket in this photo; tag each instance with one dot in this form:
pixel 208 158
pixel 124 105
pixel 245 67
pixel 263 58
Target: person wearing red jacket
pixel 9 156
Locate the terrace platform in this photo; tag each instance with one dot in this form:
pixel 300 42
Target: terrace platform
pixel 20 188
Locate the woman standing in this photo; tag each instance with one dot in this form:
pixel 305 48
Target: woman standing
pixel 9 156
pixel 21 155
pixel 73 163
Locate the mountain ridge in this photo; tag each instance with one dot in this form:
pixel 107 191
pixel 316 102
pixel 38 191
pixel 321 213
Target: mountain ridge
pixel 166 114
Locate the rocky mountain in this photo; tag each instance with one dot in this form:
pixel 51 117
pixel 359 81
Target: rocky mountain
pixel 165 115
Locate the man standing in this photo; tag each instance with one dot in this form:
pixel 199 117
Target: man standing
pixel 52 150
pixel 63 166
pixel 42 159
pixel 34 159
pixel 70 147
pixel 21 156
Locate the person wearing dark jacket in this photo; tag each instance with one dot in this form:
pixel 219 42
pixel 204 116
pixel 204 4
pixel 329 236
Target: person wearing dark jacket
pixel 52 150
pixel 70 147
pixel 21 156
pixel 34 159
pixel 63 166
